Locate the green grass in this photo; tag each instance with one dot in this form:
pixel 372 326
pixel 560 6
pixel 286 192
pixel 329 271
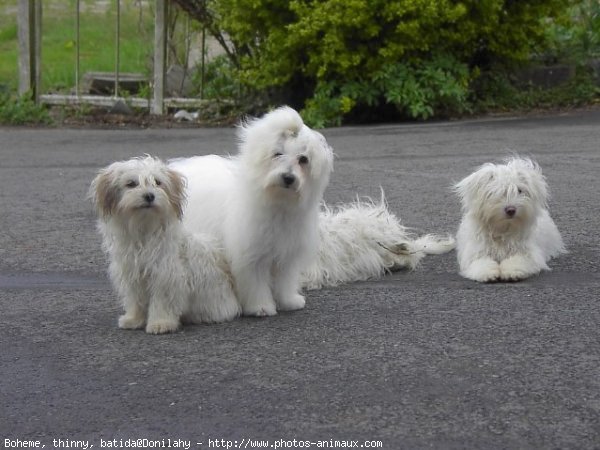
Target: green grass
pixel 97 42
pixel 8 46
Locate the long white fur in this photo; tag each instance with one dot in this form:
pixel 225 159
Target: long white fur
pixel 163 274
pixel 365 240
pixel 268 228
pixel 278 240
pixel 491 245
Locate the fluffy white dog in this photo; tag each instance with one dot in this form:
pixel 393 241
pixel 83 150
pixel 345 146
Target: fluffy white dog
pixel 263 205
pixel 506 231
pixel 163 274
pixel 364 240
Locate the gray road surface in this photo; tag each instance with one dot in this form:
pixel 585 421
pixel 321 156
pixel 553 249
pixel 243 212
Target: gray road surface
pixel 421 359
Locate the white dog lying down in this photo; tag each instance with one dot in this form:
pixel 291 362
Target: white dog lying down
pixel 264 205
pixel 163 274
pixel 364 240
pixel 506 231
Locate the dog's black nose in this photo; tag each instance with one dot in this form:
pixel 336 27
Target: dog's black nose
pixel 510 211
pixel 288 179
pixel 149 197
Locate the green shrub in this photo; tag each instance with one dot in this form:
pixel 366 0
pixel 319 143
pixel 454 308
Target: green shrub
pixel 335 56
pixel 220 79
pixel 419 90
pixel 577 38
pixel 21 110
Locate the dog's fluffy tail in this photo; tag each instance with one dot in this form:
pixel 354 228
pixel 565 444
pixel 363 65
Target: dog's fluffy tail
pixel 432 244
pixel 364 240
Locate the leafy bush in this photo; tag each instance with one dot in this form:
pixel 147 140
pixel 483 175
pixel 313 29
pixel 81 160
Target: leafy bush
pixel 21 110
pixel 577 38
pixel 420 90
pixel 335 56
pixel 220 79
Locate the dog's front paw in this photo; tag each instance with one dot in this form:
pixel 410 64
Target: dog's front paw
pixel 162 327
pixel 483 270
pixel 516 268
pixel 260 310
pixel 130 322
pixel 292 303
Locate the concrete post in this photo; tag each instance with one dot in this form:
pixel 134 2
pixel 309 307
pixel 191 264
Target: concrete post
pixel 160 51
pixel 29 23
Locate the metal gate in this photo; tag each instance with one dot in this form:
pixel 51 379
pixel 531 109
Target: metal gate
pixel 30 37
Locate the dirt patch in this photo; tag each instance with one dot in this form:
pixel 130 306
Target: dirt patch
pixel 103 118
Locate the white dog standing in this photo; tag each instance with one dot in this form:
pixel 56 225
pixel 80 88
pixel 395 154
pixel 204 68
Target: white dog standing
pixel 263 204
pixel 506 231
pixel 162 273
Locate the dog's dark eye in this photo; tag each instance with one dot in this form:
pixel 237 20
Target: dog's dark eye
pixel 157 182
pixel 277 155
pixel 303 159
pixel 131 184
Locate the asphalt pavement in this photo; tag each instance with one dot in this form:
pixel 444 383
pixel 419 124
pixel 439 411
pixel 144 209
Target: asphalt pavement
pixel 421 359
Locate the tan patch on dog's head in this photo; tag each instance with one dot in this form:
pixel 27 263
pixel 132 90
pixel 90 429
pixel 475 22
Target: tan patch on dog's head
pixel 175 190
pixel 104 193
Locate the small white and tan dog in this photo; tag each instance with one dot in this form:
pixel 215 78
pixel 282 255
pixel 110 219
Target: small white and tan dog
pixel 163 274
pixel 506 231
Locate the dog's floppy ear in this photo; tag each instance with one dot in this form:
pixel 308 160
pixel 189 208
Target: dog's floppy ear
pixel 530 174
pixel 175 191
pixel 469 187
pixel 321 155
pixel 467 184
pixel 104 193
